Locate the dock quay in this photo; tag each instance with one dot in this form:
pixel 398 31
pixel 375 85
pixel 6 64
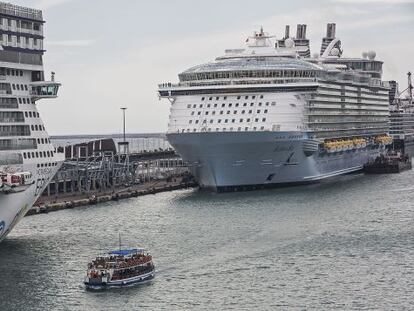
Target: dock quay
pixel 96 172
pixel 56 203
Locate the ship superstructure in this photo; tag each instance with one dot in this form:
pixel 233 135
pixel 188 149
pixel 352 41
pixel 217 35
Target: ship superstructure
pixel 402 117
pixel 265 115
pixel 27 158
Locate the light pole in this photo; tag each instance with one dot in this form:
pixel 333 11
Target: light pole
pixel 124 144
pixel 123 115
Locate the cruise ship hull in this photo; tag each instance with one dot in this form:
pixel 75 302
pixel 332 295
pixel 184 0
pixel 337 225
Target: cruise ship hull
pixel 14 206
pixel 229 161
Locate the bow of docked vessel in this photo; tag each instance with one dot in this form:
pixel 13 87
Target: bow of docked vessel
pixel 28 160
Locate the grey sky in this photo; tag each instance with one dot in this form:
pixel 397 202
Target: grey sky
pixel 110 54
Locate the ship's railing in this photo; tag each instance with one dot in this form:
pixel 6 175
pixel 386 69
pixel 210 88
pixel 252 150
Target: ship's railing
pixel 16 10
pixel 21 30
pixel 355 80
pixel 342 114
pixel 18 144
pixel 234 82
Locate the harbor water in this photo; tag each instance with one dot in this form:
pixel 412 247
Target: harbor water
pixel 346 244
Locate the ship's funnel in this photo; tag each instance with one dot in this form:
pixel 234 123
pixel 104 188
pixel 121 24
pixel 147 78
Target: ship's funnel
pixel 287 32
pixel 301 31
pixel 331 30
pixel 330 36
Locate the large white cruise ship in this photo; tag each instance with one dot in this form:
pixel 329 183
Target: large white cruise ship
pixel 268 114
pixel 27 157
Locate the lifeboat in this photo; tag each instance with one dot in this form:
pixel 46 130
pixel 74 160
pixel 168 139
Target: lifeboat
pixel 349 145
pixel 383 140
pixel 359 143
pixel 329 146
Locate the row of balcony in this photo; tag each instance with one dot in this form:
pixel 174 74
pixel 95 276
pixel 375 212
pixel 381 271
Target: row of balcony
pixel 17 144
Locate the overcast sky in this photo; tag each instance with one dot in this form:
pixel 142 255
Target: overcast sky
pixel 111 54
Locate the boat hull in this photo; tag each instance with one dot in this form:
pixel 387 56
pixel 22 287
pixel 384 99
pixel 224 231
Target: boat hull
pixel 14 206
pixel 141 279
pixel 229 161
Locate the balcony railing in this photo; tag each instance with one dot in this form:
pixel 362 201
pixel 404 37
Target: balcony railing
pixel 18 144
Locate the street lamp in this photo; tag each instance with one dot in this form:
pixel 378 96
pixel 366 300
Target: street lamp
pixel 124 144
pixel 123 115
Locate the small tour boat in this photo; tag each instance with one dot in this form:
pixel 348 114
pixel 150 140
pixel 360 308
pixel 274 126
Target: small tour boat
pixel 120 268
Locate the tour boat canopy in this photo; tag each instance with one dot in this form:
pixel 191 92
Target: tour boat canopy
pixel 126 252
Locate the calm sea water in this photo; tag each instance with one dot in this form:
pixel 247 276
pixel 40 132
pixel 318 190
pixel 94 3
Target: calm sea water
pixel 347 245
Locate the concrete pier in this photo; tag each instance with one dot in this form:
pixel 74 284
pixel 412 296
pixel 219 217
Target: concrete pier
pixel 106 176
pixel 61 202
